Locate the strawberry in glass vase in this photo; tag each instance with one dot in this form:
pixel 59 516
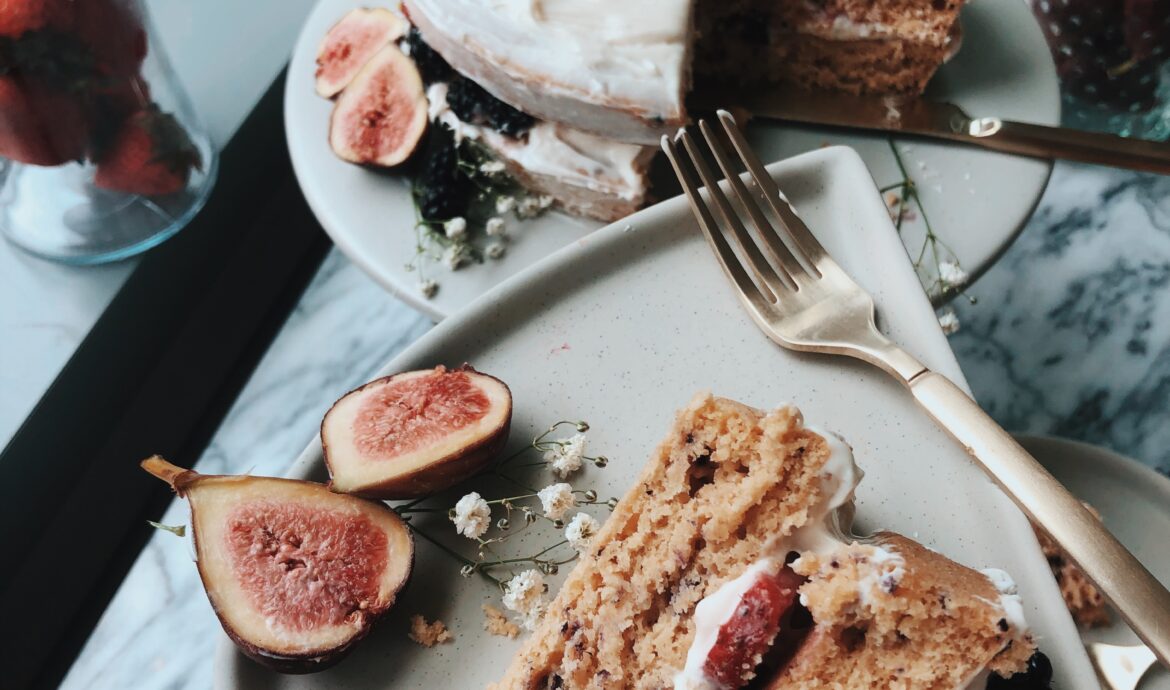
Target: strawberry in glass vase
pixel 100 154
pixel 1112 61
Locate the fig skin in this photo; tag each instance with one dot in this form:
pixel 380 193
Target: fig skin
pixel 348 144
pixel 307 661
pixel 436 474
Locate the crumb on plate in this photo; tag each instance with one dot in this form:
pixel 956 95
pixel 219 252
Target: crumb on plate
pixel 497 623
pixel 428 634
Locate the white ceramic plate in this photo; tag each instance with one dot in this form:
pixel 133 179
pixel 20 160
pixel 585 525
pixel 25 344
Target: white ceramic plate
pixel 976 201
pixel 621 328
pixel 1134 502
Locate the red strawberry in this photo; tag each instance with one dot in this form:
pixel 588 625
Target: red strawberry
pixel 40 125
pixel 748 634
pixel 113 33
pixel 150 154
pixel 18 17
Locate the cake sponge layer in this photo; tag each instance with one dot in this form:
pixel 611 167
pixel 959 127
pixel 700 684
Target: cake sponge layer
pixel 720 493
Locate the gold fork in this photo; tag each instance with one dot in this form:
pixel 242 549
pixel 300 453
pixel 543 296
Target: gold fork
pixel 803 300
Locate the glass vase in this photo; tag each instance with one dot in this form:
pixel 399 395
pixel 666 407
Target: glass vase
pixel 101 154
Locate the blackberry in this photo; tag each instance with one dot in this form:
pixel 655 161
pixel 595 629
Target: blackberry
pixel 473 104
pixel 431 66
pixel 441 190
pixel 1038 676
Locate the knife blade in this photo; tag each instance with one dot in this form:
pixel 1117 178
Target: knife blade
pixel 923 117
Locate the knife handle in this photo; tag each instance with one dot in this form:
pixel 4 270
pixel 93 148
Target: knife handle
pixel 1136 594
pixel 1071 144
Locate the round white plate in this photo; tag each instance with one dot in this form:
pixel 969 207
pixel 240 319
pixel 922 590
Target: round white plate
pixel 622 328
pixel 1134 502
pixel 976 201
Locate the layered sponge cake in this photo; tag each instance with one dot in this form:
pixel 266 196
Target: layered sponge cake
pixel 730 563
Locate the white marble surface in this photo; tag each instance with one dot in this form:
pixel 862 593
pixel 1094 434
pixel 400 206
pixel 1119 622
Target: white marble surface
pixel 1071 335
pixel 47 309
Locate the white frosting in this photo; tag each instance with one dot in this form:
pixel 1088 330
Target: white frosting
pixel 614 53
pixel 570 155
pixel 1009 597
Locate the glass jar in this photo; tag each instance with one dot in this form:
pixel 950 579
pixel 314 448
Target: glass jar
pixel 1112 60
pixel 101 154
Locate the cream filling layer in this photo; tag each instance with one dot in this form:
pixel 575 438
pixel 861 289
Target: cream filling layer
pixel 569 155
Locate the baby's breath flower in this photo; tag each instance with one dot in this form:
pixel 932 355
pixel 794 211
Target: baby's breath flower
pixel 495 250
pixel 524 594
pixel 505 204
pixel 580 531
pixel 544 201
pixel 428 288
pixel 456 228
pixel 472 516
pixel 455 256
pixel 949 321
pixel 950 273
pixel 527 207
pixel 556 500
pixel 494 227
pixel 565 456
pixel 491 167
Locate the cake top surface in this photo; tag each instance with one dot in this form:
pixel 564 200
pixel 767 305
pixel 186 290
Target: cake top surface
pixel 619 54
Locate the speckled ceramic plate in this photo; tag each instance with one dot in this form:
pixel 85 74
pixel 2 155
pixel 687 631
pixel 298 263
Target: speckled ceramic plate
pixel 1134 502
pixel 977 201
pixel 621 328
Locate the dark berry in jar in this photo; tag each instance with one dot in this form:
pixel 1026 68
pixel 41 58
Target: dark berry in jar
pixel 1038 676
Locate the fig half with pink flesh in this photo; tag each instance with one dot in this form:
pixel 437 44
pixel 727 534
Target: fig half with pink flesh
pixel 350 44
pixel 381 116
pixel 415 433
pixel 296 573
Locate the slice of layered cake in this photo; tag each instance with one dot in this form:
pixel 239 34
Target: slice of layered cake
pixel 730 563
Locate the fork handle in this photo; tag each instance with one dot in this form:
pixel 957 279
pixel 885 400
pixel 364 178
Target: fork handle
pixel 1136 594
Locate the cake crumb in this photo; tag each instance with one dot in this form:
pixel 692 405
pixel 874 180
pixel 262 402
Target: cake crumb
pixel 497 623
pixel 428 634
pixel 1084 601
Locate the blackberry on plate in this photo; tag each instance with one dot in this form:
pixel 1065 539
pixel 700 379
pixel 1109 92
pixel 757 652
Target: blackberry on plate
pixel 473 104
pixel 1038 676
pixel 441 190
pixel 431 66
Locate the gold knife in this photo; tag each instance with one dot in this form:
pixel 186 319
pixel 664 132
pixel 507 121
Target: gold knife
pixel 922 117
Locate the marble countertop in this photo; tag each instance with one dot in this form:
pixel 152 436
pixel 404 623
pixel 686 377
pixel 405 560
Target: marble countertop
pixel 1070 335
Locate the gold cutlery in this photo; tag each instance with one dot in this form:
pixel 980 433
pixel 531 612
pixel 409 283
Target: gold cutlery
pixel 1120 667
pixel 802 299
pixel 923 117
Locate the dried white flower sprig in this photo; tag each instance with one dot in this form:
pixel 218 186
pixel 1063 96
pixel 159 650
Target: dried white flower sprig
pixel 949 277
pixel 489 522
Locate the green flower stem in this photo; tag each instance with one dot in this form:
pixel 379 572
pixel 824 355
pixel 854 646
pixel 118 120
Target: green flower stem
pixel 454 554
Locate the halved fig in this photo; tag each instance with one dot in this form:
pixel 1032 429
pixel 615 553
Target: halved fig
pixel 415 433
pixel 380 118
pixel 350 44
pixel 296 573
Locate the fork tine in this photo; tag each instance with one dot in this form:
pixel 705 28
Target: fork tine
pixel 746 287
pixel 805 245
pixel 755 259
pixel 776 247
